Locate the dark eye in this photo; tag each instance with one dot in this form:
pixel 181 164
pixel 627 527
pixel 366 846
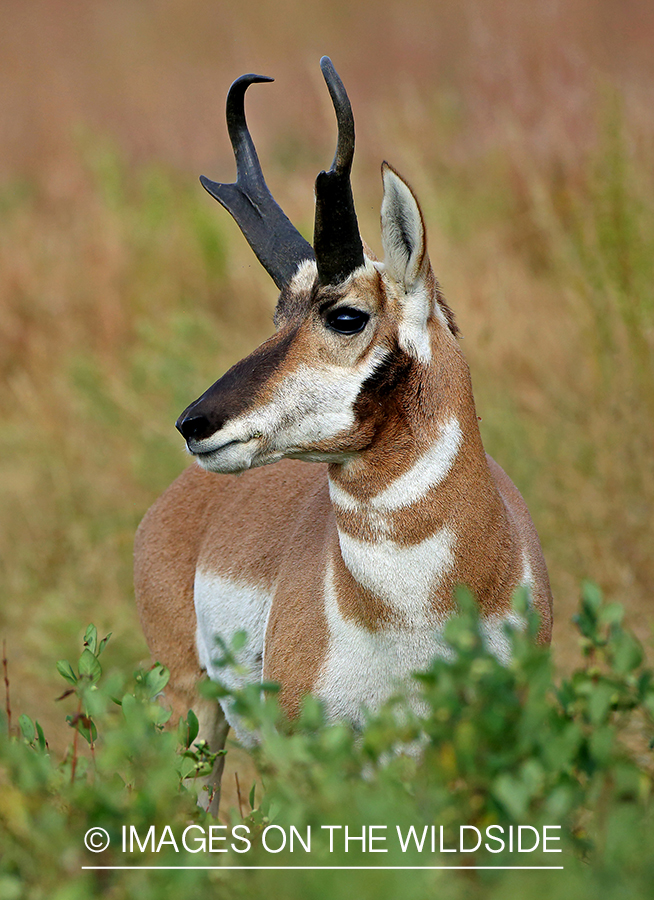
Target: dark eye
pixel 347 320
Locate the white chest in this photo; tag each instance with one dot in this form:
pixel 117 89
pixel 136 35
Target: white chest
pixel 223 607
pixel 363 668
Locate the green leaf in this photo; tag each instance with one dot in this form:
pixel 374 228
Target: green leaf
pixel 239 640
pixel 512 794
pixel 27 728
pixel 156 680
pixel 91 736
pixel 586 619
pixel 43 744
pixel 274 809
pixel 601 744
pixel 187 767
pixel 600 702
pixel 212 690
pixel 159 715
pixel 559 802
pixel 66 671
pixel 560 749
pixel 85 726
pixel 251 797
pixel 612 614
pixel 521 601
pixel 89 666
pixel 591 596
pixel 91 639
pixel 103 643
pixel 129 705
pixel 627 653
pixel 193 727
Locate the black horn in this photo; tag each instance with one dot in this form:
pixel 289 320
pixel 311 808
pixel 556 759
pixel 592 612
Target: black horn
pixel 336 238
pixel 279 246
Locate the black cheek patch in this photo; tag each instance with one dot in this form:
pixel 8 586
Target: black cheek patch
pixel 372 402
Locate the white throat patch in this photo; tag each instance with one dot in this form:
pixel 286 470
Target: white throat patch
pixel 427 472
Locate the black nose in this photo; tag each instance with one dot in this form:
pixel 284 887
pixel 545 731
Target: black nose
pixel 194 427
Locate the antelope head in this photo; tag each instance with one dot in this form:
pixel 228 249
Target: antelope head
pixel 353 334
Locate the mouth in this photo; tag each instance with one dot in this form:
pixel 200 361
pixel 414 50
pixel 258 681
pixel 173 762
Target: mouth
pixel 233 456
pixel 201 454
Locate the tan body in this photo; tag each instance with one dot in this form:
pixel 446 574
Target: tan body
pixel 276 529
pixel 290 539
pixel 339 560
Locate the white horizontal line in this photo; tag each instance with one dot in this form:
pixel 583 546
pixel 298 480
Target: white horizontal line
pixel 321 868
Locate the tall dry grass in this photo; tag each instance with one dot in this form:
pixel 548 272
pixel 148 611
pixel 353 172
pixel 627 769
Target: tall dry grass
pixel 527 131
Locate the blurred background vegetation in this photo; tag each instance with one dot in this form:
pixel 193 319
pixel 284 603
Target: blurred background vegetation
pixel 527 131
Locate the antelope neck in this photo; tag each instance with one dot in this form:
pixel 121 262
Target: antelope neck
pixel 392 490
pixel 397 525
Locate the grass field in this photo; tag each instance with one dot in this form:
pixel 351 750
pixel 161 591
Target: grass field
pixel 527 131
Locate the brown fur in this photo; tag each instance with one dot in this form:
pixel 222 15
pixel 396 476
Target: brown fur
pixel 275 527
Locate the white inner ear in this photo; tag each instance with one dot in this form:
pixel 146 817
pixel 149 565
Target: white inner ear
pixel 403 234
pixel 405 261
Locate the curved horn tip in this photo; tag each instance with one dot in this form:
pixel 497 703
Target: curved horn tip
pixel 331 76
pixel 236 93
pixel 249 79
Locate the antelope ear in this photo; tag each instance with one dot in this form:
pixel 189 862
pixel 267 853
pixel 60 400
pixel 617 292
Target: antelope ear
pixel 406 261
pixel 402 231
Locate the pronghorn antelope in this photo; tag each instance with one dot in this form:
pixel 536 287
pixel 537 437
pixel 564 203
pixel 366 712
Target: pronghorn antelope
pixel 341 572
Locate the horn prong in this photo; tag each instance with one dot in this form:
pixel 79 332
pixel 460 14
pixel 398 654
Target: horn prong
pixel 278 245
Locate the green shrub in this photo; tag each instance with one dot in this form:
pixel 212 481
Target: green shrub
pixel 476 743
